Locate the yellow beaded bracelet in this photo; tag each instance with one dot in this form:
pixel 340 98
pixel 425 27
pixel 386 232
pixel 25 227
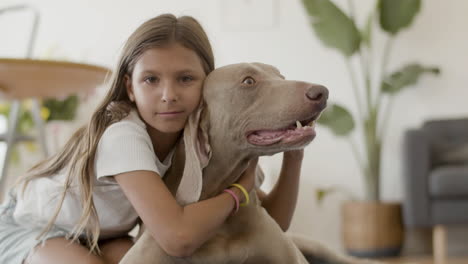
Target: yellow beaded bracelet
pixel 244 191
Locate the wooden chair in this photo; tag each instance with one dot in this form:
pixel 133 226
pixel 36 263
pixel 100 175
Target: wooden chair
pixel 22 79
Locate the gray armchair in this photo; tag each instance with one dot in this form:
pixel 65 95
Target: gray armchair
pixel 436 178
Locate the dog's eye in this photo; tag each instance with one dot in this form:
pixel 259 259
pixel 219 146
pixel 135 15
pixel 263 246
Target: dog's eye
pixel 249 81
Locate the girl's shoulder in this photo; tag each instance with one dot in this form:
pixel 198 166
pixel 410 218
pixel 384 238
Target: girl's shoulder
pixel 125 146
pixel 131 124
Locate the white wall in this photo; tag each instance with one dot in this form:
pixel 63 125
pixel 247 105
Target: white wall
pixel 93 31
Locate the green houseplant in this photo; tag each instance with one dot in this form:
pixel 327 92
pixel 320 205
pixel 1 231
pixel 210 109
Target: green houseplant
pixel 374 98
pixel 52 109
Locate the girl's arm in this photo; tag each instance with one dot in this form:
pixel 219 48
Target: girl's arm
pixel 280 203
pixel 179 230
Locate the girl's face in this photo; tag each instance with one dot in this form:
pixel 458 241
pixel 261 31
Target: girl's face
pixel 166 85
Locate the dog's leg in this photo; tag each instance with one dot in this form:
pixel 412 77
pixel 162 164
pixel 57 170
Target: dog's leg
pixel 268 241
pixel 318 253
pixel 146 251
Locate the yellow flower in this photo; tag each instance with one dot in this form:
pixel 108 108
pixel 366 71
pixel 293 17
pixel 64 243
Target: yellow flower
pixel 45 112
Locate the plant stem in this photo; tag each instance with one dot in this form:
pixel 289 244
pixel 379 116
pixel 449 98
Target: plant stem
pixel 365 73
pixel 350 69
pixel 372 136
pixel 371 169
pixel 383 69
pixel 387 113
pixel 369 56
pixel 357 155
pixel 364 167
pixel 373 155
pixel 355 88
pixel 378 103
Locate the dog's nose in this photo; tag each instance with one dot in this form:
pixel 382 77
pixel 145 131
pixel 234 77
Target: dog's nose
pixel 317 93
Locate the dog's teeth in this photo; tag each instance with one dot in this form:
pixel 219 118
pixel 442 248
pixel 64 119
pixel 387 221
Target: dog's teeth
pixel 312 123
pixel 298 124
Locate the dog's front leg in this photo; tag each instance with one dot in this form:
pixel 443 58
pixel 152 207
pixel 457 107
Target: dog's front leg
pixel 146 251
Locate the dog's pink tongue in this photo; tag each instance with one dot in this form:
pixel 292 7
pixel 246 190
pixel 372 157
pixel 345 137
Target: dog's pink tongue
pixel 266 137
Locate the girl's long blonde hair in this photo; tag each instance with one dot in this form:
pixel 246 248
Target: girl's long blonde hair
pixel 78 154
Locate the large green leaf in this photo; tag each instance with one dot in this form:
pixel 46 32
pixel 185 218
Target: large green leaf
pixel 338 119
pixel 334 28
pixel 404 77
pixel 397 14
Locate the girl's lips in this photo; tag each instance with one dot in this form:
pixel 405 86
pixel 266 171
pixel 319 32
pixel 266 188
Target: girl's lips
pixel 170 114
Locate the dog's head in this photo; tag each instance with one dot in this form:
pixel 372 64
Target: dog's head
pixel 261 111
pixel 248 110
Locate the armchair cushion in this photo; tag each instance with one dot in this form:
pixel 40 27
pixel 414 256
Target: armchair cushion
pixel 453 153
pixel 448 141
pixel 449 182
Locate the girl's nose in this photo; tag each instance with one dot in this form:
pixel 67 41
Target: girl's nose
pixel 169 93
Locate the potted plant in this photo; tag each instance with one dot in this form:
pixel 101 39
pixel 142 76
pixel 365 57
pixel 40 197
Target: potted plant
pixel 52 109
pixel 363 232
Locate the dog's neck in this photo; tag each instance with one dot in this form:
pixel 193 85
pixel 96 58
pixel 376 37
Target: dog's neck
pixel 225 167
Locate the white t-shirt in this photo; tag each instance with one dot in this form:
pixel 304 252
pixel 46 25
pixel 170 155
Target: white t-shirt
pixel 124 146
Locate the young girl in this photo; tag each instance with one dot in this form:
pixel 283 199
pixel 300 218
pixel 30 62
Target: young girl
pixel 86 198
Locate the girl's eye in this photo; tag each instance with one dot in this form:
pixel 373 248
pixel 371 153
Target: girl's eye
pixel 249 81
pixel 151 79
pixel 186 78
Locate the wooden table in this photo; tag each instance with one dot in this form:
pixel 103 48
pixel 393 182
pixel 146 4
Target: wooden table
pixel 22 79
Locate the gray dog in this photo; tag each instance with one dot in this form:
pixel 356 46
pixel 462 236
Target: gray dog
pixel 248 110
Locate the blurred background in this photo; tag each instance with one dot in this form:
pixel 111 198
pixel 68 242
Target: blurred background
pixel 276 32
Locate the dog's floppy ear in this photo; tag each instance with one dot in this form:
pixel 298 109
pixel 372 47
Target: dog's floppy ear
pixel 198 135
pixel 197 153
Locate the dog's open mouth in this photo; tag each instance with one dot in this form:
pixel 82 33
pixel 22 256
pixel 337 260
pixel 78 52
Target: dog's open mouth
pixel 296 132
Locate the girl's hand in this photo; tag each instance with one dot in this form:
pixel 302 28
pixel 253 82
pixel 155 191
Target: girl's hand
pixel 247 179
